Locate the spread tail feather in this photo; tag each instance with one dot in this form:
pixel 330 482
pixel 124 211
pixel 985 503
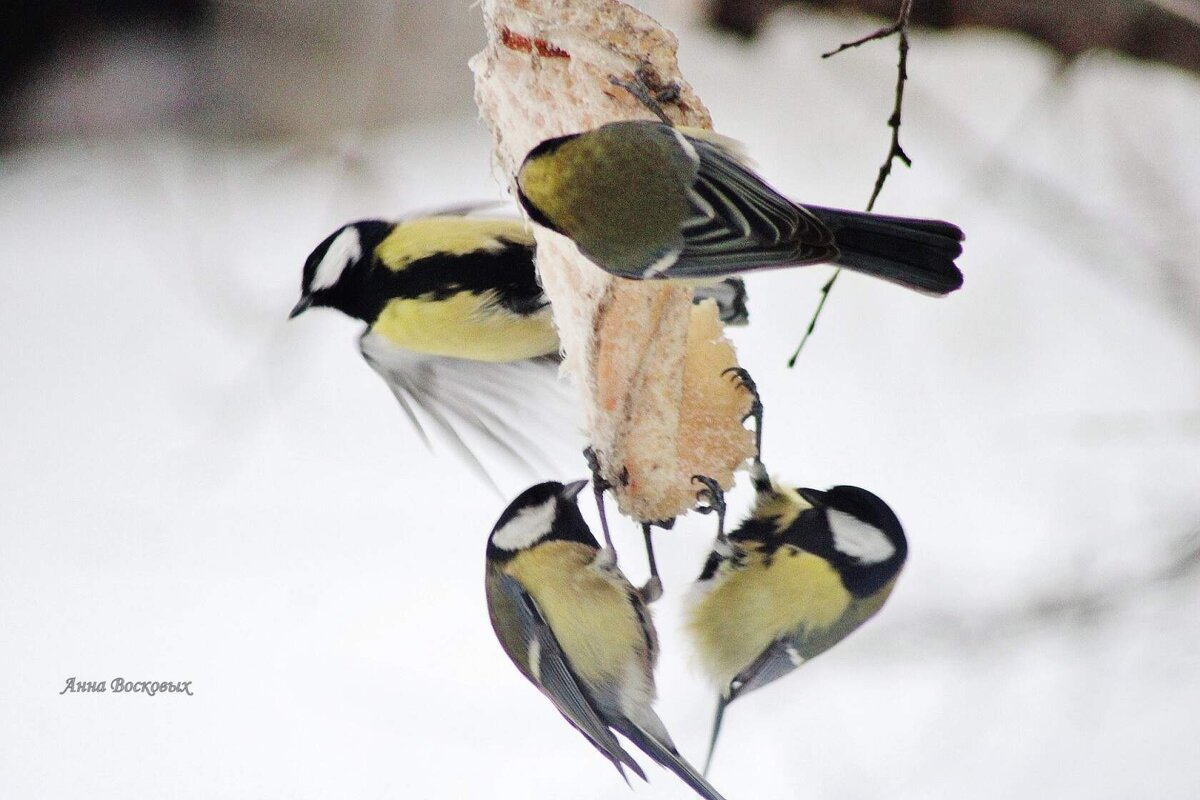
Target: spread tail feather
pixel 916 253
pixel 667 756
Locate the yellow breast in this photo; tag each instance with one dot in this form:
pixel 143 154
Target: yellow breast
pixel 754 606
pixel 589 611
pixel 467 326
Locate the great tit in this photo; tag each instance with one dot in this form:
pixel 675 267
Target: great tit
pixel 574 626
pixel 801 573
pixel 457 323
pixel 646 200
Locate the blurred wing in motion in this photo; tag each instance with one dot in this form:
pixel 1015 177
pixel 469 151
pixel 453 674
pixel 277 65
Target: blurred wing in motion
pixel 519 409
pixel 466 209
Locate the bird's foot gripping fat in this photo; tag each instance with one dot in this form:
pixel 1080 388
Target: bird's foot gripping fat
pixel 713 501
pixel 742 378
pixel 649 90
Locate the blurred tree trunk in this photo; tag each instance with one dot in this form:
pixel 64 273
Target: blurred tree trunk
pixel 1158 30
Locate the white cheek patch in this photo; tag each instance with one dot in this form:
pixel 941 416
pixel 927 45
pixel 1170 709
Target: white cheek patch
pixel 343 250
pixel 862 542
pixel 527 527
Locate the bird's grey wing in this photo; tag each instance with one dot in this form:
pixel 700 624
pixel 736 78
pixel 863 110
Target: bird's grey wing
pixel 780 658
pixel 546 664
pixel 739 223
pixel 518 409
pixel 786 653
pixel 634 718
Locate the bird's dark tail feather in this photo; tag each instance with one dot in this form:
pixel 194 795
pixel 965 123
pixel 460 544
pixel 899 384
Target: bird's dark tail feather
pixel 668 757
pixel 716 731
pixel 916 253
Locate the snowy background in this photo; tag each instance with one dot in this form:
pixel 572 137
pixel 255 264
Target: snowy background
pixel 195 489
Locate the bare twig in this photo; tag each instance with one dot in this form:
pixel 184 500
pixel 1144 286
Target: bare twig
pixel 812 323
pixel 895 151
pixel 898 26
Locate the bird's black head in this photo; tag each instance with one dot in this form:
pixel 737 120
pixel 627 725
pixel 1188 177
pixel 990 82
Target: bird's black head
pixel 336 272
pixel 546 512
pixel 861 537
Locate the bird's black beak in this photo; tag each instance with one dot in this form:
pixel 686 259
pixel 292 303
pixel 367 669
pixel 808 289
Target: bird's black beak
pixel 301 306
pixel 572 490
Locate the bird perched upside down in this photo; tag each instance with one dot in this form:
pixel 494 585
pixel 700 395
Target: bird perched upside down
pixel 802 572
pixel 574 626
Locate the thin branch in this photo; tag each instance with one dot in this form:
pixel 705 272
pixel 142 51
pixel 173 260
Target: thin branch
pixel 896 27
pixel 812 323
pixel 895 151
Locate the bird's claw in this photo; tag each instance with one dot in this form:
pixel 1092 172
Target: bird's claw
pixel 599 487
pixel 649 90
pixel 712 494
pixel 743 381
pixel 663 92
pixel 599 483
